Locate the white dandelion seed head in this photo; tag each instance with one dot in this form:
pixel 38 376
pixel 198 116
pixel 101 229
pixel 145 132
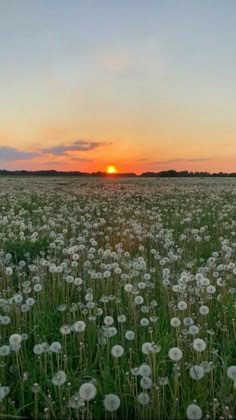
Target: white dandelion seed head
pixel 87 391
pixel 59 378
pixel 111 402
pixel 204 310
pixel 175 322
pixel 38 349
pixel 117 351
pixel 231 372
pixel 15 339
pixel 76 401
pixel 196 372
pixel 144 322
pixel 143 398
pixel 4 391
pixel 79 326
pixel 199 345
pixel 144 370
pixel 146 347
pixel 194 412
pixel 182 305
pixel 175 354
pixel 108 320
pixel 146 382
pixel 4 350
pixel 130 335
pixel 138 300
pixel 55 347
pixel 121 318
pixel 188 321
pixel 193 330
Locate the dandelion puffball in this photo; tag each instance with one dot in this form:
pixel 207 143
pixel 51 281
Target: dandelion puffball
pixel 87 391
pixel 175 354
pixel 111 402
pixel 117 351
pixel 194 412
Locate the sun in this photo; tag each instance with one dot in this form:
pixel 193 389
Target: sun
pixel 111 169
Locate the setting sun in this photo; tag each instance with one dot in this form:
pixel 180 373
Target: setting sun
pixel 111 169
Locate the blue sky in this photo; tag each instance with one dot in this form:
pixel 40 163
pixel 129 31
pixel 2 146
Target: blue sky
pixel 143 78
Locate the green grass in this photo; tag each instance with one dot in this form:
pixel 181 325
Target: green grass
pixel 146 220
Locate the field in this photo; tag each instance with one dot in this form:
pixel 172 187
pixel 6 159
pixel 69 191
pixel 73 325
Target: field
pixel 117 298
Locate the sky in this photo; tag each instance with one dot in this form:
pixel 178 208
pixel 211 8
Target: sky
pixel 142 85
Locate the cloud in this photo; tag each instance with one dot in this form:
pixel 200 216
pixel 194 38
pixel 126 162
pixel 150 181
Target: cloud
pixel 182 160
pixel 10 153
pixel 52 162
pixel 78 159
pixel 77 146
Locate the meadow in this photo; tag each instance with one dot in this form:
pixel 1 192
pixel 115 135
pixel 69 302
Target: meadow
pixel 117 298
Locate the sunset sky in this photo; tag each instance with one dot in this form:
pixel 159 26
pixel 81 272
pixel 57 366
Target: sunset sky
pixel 142 85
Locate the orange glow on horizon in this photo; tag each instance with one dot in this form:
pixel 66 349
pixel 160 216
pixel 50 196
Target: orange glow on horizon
pixel 111 169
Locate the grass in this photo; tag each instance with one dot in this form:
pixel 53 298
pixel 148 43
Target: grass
pixel 155 237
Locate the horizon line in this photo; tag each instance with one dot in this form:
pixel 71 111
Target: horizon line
pixel 166 173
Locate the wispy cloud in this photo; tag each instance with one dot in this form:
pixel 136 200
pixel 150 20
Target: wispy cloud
pixel 13 154
pixel 79 159
pixel 182 160
pixel 77 146
pixel 10 153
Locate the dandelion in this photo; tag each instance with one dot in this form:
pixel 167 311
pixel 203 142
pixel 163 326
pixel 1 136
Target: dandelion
pixel 204 310
pixel 182 306
pixel 111 402
pixel 5 320
pixel 38 349
pixel 128 287
pixel 59 378
pixel 188 321
pixel 129 335
pixel 231 372
pixel 4 391
pixel 108 320
pixel 199 345
pixel 15 339
pixel 9 271
pixel 111 332
pixel 196 372
pixel 143 398
pixel 65 329
pixel 55 347
pixel 4 350
pixel 144 370
pixel 30 301
pixel 206 366
pixel 193 330
pixel 79 326
pixel 78 281
pixel 146 347
pixel 144 322
pixel 76 401
pixel 163 381
pixel 121 318
pixel 175 354
pixel 175 322
pixel 139 300
pixel 194 412
pixel 25 308
pixel 211 289
pixel 87 391
pixel 38 287
pixel 117 351
pixel 146 382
